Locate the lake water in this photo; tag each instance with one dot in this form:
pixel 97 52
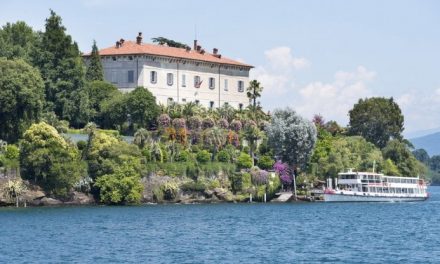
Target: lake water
pixel 225 233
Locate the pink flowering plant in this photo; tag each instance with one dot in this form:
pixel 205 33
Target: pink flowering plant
pixel 282 169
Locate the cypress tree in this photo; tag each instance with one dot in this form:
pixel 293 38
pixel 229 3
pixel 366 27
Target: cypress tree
pixel 94 70
pixel 62 69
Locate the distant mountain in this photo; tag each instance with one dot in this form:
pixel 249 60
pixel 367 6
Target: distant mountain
pixel 431 143
pixel 421 133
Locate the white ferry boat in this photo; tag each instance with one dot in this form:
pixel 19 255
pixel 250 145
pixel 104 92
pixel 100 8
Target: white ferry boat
pixel 374 187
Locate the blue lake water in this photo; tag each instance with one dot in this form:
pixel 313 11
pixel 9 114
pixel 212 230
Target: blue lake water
pixel 225 233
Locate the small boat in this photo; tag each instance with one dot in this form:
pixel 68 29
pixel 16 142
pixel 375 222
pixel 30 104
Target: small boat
pixel 374 187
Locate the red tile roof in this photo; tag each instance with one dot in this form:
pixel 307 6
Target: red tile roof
pixel 132 48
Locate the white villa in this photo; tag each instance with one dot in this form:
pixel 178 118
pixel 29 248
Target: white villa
pixel 176 74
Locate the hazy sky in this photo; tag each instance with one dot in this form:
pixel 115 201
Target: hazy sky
pixel 315 56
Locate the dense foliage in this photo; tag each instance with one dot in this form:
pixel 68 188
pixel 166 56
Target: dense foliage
pixel 47 159
pixel 377 120
pixel 292 137
pixel 21 98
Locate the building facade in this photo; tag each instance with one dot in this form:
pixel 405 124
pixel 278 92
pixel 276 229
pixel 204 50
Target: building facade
pixel 176 74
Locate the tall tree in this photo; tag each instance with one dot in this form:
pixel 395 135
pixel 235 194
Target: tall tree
pixel 377 119
pixel 292 137
pixel 94 69
pixel 17 41
pixel 21 98
pixel 61 67
pixel 142 107
pixel 254 91
pixel 169 42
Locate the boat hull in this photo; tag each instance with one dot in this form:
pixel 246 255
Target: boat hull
pixel 369 198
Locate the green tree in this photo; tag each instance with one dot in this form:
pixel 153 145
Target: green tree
pixel 142 107
pixel 291 137
pixel 422 156
pixel 99 93
pixel 123 186
pixel 254 91
pixel 169 42
pixel 17 41
pixel 61 66
pixel 141 138
pixel 252 134
pixel 21 98
pixel 94 69
pixel 435 163
pixel 376 119
pixel 244 161
pixel 49 161
pixel 405 161
pixel 113 112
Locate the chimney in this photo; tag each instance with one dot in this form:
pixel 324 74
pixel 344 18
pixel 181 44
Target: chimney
pixel 199 48
pixel 215 51
pixel 202 51
pixel 118 44
pixel 188 49
pixel 139 38
pixel 121 42
pixel 195 44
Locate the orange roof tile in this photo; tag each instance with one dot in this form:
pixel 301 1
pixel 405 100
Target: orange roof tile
pixel 131 47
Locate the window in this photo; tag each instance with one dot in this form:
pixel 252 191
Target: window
pixel 153 77
pixel 240 106
pixel 211 104
pixel 226 84
pixel 197 82
pixel 211 83
pixel 170 101
pixel 114 77
pixel 197 101
pixel 240 86
pixel 183 80
pixel 170 79
pixel 184 100
pixel 130 77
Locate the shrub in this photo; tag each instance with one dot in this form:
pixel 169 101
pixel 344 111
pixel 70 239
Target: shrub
pixel 223 156
pixel 244 161
pixel 223 123
pixel 194 123
pixel 183 156
pixel 12 152
pixel 214 184
pixel 259 177
pixel 193 186
pixel 236 125
pixel 169 190
pixel 179 123
pixel 265 162
pixel 81 145
pixel 246 149
pixel 208 123
pixel 164 120
pixel 203 156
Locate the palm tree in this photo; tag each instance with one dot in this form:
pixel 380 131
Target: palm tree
pixel 252 134
pixel 215 137
pixel 141 137
pixel 254 91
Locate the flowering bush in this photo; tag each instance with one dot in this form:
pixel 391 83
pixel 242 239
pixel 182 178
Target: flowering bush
pixel 179 123
pixel 249 123
pixel 164 120
pixel 208 123
pixel 223 123
pixel 194 123
pixel 283 171
pixel 233 139
pixel 259 177
pixel 236 125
